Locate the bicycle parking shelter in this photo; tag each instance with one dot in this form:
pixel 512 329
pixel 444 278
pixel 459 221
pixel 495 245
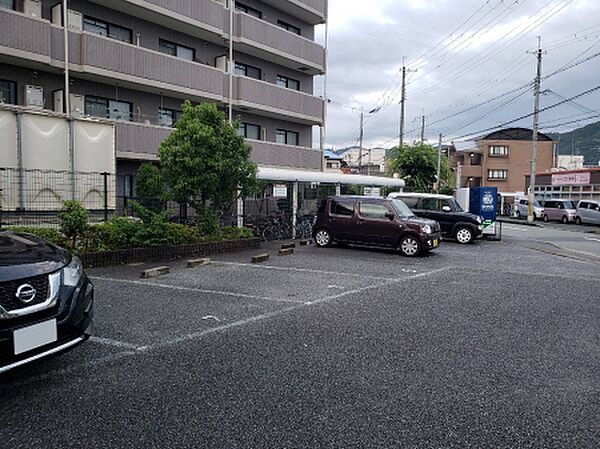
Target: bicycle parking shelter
pixel 299 192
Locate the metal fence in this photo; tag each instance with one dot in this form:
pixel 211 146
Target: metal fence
pixel 34 197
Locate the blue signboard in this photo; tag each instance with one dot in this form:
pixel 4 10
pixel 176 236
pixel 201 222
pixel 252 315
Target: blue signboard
pixel 484 202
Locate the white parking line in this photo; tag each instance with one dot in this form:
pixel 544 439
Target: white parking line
pixel 116 343
pixel 307 270
pixel 196 335
pixel 592 239
pixel 195 290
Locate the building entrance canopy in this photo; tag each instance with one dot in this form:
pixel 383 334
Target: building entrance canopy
pixel 278 174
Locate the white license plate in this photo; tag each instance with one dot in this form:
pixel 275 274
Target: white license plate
pixel 32 337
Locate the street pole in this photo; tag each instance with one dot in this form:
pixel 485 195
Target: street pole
pixel 536 124
pixel 231 17
pixel 360 139
pixel 65 12
pixel 322 129
pixel 422 130
pixel 439 163
pixel 402 106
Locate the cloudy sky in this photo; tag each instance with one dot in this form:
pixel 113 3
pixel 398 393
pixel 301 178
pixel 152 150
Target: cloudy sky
pixel 469 63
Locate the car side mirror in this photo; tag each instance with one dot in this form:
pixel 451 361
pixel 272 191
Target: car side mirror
pixel 446 209
pixel 390 216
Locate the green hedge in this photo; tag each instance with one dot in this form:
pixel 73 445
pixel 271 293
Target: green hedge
pixel 123 233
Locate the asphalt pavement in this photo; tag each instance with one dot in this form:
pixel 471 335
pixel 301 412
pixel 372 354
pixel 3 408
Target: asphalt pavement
pixel 491 345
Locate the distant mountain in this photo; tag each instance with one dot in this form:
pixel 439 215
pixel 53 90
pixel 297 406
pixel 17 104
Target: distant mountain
pixel 584 141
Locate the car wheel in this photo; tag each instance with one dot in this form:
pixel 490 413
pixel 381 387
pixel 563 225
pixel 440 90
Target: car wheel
pixel 464 235
pixel 322 238
pixel 546 219
pixel 410 246
pixel 564 220
pixel 578 220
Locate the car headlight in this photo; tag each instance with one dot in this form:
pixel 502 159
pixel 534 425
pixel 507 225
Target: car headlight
pixel 426 229
pixel 479 219
pixel 72 273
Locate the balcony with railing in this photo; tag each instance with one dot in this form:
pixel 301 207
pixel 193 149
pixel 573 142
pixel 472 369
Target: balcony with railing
pixel 271 42
pixel 272 100
pixel 201 18
pixel 311 11
pixel 139 141
pixel 278 155
pixel 150 68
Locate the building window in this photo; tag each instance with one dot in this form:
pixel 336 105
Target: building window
pixel 290 28
pixel 498 151
pixel 500 175
pixel 287 137
pixel 8 92
pixel 8 4
pixel 168 117
pixel 248 70
pixel 107 29
pixel 180 51
pixel 249 131
pixel 105 108
pixel 289 83
pixel 248 10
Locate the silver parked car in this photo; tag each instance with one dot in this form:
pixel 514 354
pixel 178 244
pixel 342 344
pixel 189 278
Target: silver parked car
pixel 559 210
pixel 588 212
pixel 523 209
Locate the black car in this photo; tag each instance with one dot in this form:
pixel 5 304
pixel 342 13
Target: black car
pixel 374 222
pixel 46 300
pixel 454 222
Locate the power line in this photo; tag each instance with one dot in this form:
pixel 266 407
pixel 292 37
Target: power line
pixel 582 94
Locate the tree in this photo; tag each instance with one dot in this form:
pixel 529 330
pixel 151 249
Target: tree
pixel 149 187
pixel 73 220
pixel 417 165
pixel 204 162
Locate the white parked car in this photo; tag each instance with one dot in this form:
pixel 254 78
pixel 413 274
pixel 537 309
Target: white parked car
pixel 522 209
pixel 588 212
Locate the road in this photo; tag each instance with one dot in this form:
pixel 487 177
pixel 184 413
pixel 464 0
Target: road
pixel 493 345
pixel 581 240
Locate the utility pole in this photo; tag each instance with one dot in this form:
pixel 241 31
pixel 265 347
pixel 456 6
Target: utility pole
pixel 322 129
pixel 402 106
pixel 360 139
pixel 231 62
pixel 439 163
pixel 536 125
pixel 422 130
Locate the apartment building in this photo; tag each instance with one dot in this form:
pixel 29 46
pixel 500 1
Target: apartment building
pixel 133 63
pixel 501 159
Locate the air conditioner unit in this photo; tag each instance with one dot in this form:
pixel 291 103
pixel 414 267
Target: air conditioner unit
pixel 32 8
pixel 34 96
pixel 221 63
pixel 58 101
pixel 77 104
pixel 56 14
pixel 75 20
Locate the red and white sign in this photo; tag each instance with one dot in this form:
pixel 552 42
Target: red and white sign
pixel 570 179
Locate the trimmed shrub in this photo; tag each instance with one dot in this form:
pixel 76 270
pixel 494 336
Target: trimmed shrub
pixel 73 220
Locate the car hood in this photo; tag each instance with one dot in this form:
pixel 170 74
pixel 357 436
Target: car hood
pixel 25 255
pixel 422 221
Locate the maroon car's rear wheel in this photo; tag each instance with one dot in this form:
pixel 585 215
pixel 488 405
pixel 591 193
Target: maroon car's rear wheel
pixel 322 238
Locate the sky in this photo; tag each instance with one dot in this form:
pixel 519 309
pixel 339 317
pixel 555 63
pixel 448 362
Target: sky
pixel 470 67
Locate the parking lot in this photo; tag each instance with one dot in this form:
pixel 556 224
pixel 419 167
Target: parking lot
pixel 495 344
